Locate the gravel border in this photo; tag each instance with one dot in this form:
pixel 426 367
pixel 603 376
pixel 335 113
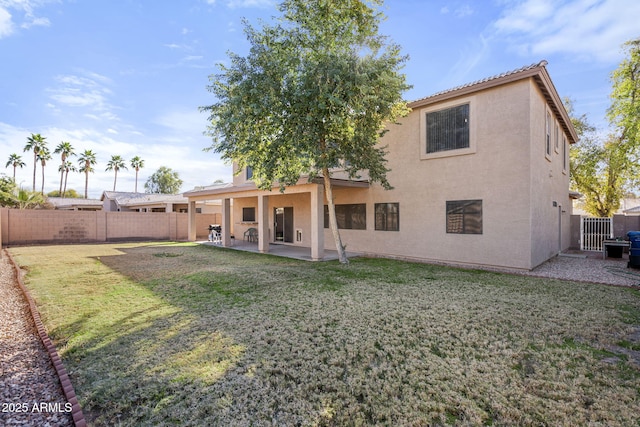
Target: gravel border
pixel 588 267
pixel 35 387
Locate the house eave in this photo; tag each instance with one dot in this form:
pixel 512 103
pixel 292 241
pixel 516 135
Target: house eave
pixel 537 72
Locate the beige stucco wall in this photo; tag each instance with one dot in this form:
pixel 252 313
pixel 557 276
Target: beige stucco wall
pixel 505 167
pixel 508 171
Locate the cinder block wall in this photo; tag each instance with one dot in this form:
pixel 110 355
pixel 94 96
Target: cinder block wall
pixel 23 227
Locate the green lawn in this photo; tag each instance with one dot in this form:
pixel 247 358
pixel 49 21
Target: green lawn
pixel 179 334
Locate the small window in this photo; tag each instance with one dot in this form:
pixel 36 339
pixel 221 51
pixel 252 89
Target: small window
pixel 556 139
pixel 448 129
pixel 548 135
pixel 248 214
pixel 349 217
pixel 387 216
pixel 464 216
pixel 198 210
pixel 249 172
pixel 564 153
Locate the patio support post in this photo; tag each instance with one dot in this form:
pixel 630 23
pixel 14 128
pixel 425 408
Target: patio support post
pixel 192 221
pixel 226 222
pixel 263 224
pixel 317 222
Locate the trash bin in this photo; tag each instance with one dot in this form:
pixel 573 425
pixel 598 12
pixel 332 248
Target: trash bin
pixel 634 250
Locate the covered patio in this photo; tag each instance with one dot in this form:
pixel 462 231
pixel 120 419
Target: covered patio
pixel 300 208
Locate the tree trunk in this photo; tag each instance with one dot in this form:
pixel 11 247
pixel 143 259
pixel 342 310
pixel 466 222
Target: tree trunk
pixel 114 180
pixel 86 184
pixel 35 165
pixel 136 190
pixel 64 190
pixel 63 158
pixel 333 222
pixel 42 188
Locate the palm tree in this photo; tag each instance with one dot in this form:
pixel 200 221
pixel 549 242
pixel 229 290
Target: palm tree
pixel 137 163
pixel 35 143
pixel 86 160
pixel 115 164
pixel 65 168
pixel 43 156
pixel 15 161
pixel 65 149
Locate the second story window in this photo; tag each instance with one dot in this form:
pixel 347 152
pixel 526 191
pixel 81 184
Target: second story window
pixel 448 129
pixel 249 173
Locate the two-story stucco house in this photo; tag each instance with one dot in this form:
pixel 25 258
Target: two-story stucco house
pixel 480 175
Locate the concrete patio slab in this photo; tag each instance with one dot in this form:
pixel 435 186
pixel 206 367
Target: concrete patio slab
pixel 282 250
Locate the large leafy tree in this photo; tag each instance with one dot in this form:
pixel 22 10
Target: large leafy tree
pixel 86 160
pixel 605 168
pixel 163 181
pixel 115 164
pixel 66 150
pixel 314 93
pixel 15 160
pixel 35 143
pixel 136 163
pixel 624 113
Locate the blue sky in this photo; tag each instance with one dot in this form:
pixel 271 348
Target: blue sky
pixel 126 77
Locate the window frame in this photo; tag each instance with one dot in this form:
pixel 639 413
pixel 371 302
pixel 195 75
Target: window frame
pixel 453 205
pixel 345 216
pixel 473 120
pixel 547 139
pixel 565 154
pixel 248 218
pixel 384 225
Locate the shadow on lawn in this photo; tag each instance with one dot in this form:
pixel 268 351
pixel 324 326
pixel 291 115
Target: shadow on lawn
pixel 148 366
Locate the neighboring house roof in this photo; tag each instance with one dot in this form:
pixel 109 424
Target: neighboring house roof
pixel 71 203
pixel 536 71
pixel 142 199
pixel 632 211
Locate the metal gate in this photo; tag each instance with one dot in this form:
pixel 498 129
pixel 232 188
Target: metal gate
pixel 594 231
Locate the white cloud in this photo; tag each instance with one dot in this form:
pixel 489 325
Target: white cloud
pixel 177 143
pixel 36 22
pixel 6 26
pixel 26 8
pixel 88 90
pixel 588 29
pixel 464 10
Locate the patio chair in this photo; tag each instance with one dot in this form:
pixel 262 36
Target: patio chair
pixel 251 235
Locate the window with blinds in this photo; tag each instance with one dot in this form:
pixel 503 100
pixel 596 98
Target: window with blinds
pixel 464 216
pixel 448 129
pixel 387 216
pixel 349 217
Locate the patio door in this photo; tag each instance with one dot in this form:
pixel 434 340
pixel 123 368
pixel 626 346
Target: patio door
pixel 283 224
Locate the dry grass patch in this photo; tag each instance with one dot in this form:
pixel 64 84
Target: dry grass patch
pixel 177 334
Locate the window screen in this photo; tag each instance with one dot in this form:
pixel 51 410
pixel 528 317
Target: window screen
pixel 249 214
pixel 448 129
pixel 387 216
pixel 464 216
pixel 353 217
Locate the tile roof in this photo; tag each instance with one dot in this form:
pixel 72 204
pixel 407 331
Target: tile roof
pixel 533 66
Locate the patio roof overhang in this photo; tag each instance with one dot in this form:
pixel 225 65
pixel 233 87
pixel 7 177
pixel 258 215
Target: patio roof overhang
pixel 251 190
